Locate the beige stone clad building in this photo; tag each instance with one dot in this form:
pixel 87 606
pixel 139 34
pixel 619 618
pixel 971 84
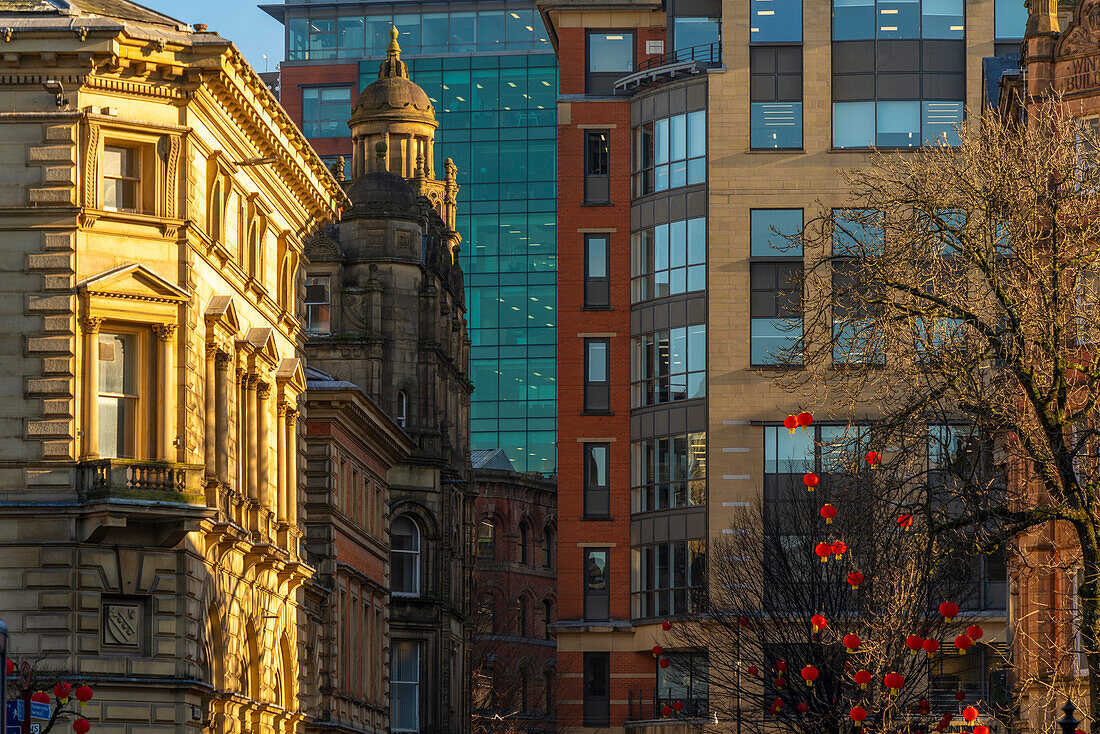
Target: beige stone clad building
pixel 153 201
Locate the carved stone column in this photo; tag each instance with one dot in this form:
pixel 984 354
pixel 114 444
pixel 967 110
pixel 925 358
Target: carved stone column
pixel 166 372
pixel 280 462
pixel 91 386
pixel 248 449
pixel 292 467
pixel 210 413
pixel 222 427
pixel 263 451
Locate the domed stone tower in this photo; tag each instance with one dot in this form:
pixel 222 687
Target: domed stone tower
pixel 394 111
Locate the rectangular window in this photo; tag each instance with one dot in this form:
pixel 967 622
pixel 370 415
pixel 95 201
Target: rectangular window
pixel 610 56
pixel 597 488
pixel 597 167
pixel 695 33
pixel 667 578
pixel 668 472
pixel 597 689
pixel 597 593
pixel 775 94
pixel 669 365
pixel 322 38
pixel 121 178
pixel 669 259
pixel 405 685
pixel 775 21
pixel 775 283
pixel 119 391
pixel 855 234
pixel 684 680
pixel 597 375
pixel 897 19
pixel 597 283
pixel 318 304
pixel 325 111
pixel 670 153
pixel 1009 19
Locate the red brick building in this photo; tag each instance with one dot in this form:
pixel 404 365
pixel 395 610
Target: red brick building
pixel 515 593
pixel 351 445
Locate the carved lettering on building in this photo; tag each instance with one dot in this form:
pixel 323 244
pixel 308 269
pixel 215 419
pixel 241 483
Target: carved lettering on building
pixel 1081 75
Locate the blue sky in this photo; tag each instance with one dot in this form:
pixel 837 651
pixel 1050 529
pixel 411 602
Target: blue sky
pixel 250 29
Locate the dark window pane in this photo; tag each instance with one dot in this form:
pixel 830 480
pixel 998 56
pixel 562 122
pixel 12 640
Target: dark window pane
pixel 610 52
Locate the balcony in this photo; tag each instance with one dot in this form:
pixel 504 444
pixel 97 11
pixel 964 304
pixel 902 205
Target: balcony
pixel 646 705
pixel 130 502
pixel 683 62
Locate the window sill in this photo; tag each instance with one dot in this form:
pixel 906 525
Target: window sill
pixel 600 518
pixel 782 150
pixel 597 308
pixel 597 412
pixel 597 203
pixel 873 148
pixel 778 367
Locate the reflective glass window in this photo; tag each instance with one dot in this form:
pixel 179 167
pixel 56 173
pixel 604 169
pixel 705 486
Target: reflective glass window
pixel 669 153
pixel 940 121
pixel 669 472
pixel 349 36
pixel 322 38
pixel 325 111
pixel 667 579
pixel 690 33
pixel 670 365
pixel 898 124
pixel 898 18
pixel 775 285
pixel 775 21
pixel 943 19
pixel 775 93
pixel 1009 19
pixel 610 52
pixel 668 259
pixel 853 124
pixel 853 20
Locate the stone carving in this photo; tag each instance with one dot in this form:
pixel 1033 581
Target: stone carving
pixel 122 624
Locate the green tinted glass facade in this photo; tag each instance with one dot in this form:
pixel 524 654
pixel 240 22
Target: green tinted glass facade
pixel 493 81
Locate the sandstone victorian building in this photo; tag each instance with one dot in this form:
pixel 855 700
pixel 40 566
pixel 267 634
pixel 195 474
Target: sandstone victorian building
pixel 386 311
pixel 154 197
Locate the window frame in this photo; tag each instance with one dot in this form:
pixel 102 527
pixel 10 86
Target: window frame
pixel 141 439
pixel 597 600
pixel 652 492
pixel 601 83
pixel 313 129
pixel 597 289
pixel 597 393
pixel 778 258
pixel 757 105
pixel 596 709
pixel 416 647
pixel 149 200
pixel 597 185
pixel 591 508
pixel 486 542
pixel 414 554
pixel 655 387
pixel 645 247
pixel 308 305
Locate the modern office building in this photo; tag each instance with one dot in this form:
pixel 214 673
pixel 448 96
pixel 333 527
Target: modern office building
pixel 689 133
pixel 490 73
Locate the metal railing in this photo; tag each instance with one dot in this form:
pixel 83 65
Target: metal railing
pixel 647 704
pixel 687 60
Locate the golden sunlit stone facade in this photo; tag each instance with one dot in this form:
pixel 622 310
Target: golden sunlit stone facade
pixel 153 197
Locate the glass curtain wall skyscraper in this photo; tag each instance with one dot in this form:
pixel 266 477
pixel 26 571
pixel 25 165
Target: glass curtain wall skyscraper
pixel 491 74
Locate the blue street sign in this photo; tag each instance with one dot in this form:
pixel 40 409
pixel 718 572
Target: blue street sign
pixel 15 713
pixel 40 710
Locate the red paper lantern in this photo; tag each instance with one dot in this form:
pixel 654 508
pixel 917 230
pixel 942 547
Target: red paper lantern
pixel 839 548
pixel 1075 731
pixel 666 625
pixel 778 682
pixel 781 666
pixel 753 670
pixel 946 719
pixel 811 480
pixel 905 521
pixel 974 632
pixel 790 423
pixel 962 642
pixel 930 646
pixel 61 692
pixel 959 695
pixel 970 714
pixel 873 459
pixel 828 512
pixel 893 681
pixel 914 642
pixel 82 726
pixel 803 708
pixel 11 666
pixel 777 704
pixel 818 622
pixel 809 674
pixel 41 697
pixel 855 578
pixel 678 706
pixel 743 621
pixel 823 551
pixel 949 610
pixel 858 714
pixel 983 729
pixel 83 694
pixel 805 420
pixel 863 678
pixel 923 706
pixel 666 710
pixel 657 651
pixel 664 662
pixel 851 642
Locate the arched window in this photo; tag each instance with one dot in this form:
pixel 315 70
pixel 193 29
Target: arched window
pixel 548 690
pixel 547 619
pixel 524 702
pixel 405 561
pixel 521 613
pixel 402 408
pixel 547 547
pixel 216 210
pixel 522 555
pixel 486 613
pixel 486 539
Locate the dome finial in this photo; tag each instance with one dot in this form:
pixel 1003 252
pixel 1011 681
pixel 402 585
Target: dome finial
pixel 393 48
pixel 393 65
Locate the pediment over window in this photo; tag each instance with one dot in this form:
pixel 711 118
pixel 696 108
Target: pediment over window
pixel 291 376
pixel 262 341
pixel 133 282
pixel 221 313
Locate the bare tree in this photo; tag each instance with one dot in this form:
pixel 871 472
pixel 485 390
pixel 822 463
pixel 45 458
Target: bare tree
pixel 780 613
pixel 957 288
